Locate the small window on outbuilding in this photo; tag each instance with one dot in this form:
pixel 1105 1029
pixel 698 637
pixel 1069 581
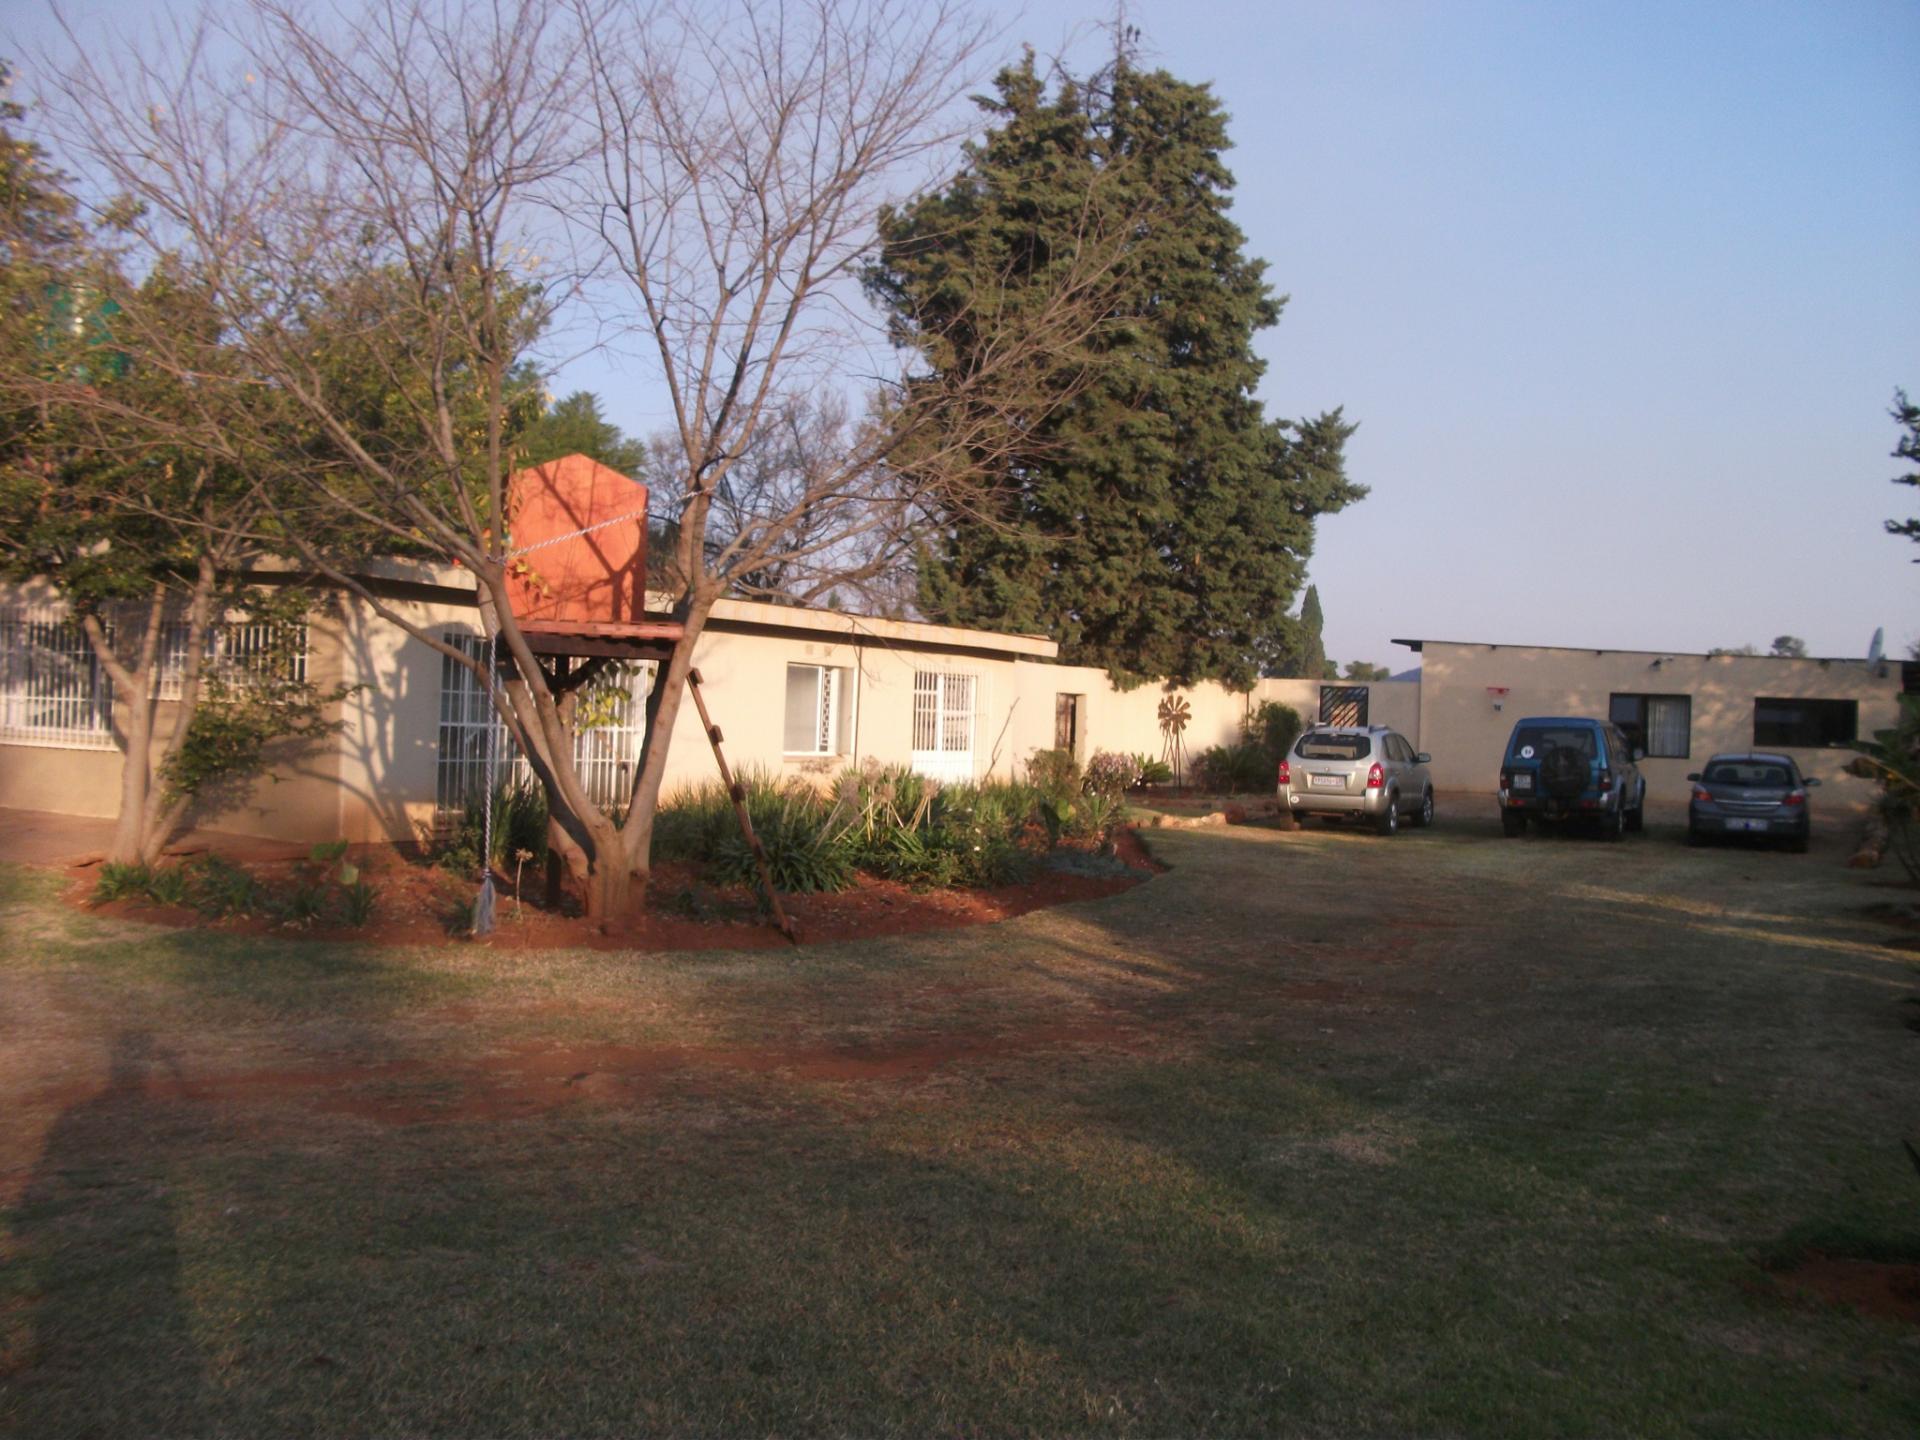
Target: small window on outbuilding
pixel 1805 724
pixel 1661 725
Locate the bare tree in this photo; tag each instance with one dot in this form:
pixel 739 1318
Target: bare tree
pixel 742 169
pixel 384 213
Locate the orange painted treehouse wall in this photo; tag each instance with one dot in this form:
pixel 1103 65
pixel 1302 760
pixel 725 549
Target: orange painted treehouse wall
pixel 588 578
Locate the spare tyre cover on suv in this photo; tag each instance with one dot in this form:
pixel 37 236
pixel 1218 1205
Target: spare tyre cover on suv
pixel 1564 772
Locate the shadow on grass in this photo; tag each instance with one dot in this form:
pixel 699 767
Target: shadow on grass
pixel 1485 1204
pixel 94 1268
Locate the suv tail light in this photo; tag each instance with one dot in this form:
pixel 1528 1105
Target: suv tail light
pixel 1376 777
pixel 1606 779
pixel 1285 777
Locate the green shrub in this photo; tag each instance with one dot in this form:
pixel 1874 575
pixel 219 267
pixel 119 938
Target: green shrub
pixel 1273 727
pixel 1234 769
pixel 1892 757
pixel 807 851
pixel 122 882
pixel 1111 774
pixel 218 887
pixel 357 903
pixel 1055 773
pixel 305 903
pixel 904 827
pixel 519 823
pixel 694 822
pixel 168 886
pixel 1098 818
pixel 1152 772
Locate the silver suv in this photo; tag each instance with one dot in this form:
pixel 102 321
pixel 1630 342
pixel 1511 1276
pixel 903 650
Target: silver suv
pixel 1357 772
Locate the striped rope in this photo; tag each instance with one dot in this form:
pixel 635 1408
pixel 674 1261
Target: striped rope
pixel 639 514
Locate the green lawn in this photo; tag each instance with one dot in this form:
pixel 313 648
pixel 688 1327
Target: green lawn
pixel 1314 1133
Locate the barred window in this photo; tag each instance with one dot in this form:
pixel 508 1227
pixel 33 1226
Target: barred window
pixel 239 650
pixel 53 691
pixel 610 724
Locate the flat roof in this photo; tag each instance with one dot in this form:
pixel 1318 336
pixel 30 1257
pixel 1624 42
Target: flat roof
pixel 1419 646
pixel 457 584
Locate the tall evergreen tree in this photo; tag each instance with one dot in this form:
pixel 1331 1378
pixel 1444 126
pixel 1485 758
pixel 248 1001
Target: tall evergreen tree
pixel 1907 415
pixel 1311 653
pixel 1156 522
pixel 575 426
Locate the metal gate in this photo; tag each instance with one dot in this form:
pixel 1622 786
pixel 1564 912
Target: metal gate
pixel 1343 705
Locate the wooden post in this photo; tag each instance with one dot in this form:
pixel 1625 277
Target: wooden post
pixel 738 794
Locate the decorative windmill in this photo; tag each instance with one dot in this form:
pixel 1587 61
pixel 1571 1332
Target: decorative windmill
pixel 1175 712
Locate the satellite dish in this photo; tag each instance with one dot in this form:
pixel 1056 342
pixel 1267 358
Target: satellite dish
pixel 1877 648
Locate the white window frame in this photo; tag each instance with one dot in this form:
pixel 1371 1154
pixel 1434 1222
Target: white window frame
pixel 947 707
pixel 54 693
pixel 829 708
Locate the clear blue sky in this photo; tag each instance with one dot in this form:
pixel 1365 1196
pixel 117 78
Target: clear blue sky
pixel 1618 292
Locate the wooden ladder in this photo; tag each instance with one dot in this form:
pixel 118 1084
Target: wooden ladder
pixel 738 794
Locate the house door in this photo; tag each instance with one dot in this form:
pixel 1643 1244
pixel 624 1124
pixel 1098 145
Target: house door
pixel 943 725
pixel 1066 724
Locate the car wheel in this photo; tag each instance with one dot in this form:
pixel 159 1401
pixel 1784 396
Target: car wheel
pixel 1695 838
pixel 1613 824
pixel 1389 821
pixel 1798 844
pixel 1637 817
pixel 1512 823
pixel 1424 817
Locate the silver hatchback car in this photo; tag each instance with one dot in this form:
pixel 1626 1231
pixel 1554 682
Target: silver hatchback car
pixel 1356 772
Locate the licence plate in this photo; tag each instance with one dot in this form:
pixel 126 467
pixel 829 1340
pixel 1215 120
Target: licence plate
pixel 1523 782
pixel 1326 782
pixel 1746 825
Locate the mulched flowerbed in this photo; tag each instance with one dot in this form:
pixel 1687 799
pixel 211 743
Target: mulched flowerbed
pixel 417 903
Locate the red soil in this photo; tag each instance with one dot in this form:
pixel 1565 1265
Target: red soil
pixel 418 904
pixel 1888 1290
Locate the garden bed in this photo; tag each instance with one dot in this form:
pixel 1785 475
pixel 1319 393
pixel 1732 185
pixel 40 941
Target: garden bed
pixel 419 903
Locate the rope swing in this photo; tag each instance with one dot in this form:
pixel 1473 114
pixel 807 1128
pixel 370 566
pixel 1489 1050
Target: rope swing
pixel 483 902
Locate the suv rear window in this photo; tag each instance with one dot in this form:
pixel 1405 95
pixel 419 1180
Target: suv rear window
pixel 1333 747
pixel 1542 738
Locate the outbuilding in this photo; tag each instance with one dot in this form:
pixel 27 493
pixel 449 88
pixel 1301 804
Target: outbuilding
pixel 1678 708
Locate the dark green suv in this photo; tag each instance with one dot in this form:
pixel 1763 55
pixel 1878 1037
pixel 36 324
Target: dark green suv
pixel 1558 769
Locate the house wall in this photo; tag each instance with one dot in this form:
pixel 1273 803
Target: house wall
pixel 377 779
pixel 1467 734
pixel 296 799
pixel 389 747
pixel 1128 721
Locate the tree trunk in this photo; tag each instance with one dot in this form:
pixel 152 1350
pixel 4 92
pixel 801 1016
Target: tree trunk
pixel 136 840
pixel 610 893
pixel 663 709
pixel 130 831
